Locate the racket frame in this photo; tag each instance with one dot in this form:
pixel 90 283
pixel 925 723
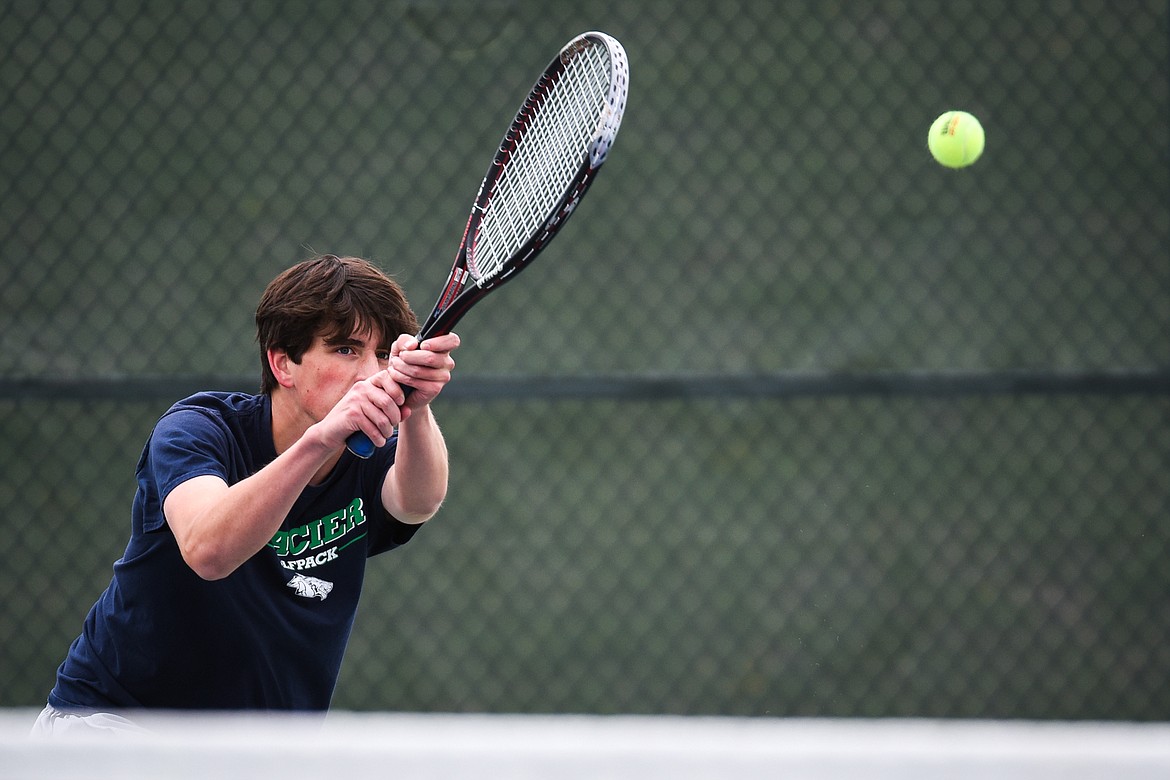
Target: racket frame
pixel 463 288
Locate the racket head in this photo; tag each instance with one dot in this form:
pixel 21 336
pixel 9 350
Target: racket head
pixel 559 138
pixel 546 161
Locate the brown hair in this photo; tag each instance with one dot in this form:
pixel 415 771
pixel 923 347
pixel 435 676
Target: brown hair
pixel 328 296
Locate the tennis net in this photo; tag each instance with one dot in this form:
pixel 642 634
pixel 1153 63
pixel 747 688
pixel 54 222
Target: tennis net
pixel 525 747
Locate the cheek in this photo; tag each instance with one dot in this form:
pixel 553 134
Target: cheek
pixel 328 384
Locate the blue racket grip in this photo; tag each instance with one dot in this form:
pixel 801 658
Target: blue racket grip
pixel 359 444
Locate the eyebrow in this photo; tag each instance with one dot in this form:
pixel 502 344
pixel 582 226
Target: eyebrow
pixel 346 341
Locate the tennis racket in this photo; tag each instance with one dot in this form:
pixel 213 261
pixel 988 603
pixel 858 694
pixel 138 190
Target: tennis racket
pixel 545 163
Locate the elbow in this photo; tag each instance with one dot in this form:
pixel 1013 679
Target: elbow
pixel 207 563
pixel 414 502
pixel 419 512
pixel 420 506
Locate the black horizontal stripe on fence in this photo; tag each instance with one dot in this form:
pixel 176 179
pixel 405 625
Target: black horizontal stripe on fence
pixel 644 387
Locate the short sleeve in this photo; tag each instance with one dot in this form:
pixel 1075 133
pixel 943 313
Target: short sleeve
pixel 391 533
pixel 186 443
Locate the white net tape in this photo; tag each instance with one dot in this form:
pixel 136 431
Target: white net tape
pixel 518 747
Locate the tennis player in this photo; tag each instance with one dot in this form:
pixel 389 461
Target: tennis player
pixel 252 523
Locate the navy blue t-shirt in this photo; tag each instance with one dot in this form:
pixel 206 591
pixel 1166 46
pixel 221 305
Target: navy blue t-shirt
pixel 271 635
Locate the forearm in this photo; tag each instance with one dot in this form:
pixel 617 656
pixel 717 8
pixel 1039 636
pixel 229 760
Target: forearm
pixel 220 527
pixel 417 483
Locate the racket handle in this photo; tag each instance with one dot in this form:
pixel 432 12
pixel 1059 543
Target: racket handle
pixel 359 444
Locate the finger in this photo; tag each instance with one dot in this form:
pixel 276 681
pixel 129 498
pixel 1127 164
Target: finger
pixel 448 342
pixel 415 374
pixel 419 362
pixel 404 343
pixel 387 382
pixel 383 421
pixel 378 399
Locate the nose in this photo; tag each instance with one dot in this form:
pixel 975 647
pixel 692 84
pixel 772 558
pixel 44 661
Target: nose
pixel 368 366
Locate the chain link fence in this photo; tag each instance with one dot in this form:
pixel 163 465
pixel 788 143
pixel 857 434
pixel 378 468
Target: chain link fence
pixel 790 421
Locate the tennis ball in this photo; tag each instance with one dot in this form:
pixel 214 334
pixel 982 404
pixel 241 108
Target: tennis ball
pixel 956 139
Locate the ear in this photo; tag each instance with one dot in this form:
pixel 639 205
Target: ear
pixel 280 362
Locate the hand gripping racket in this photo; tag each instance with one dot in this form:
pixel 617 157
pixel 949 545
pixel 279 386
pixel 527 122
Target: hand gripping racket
pixel 546 161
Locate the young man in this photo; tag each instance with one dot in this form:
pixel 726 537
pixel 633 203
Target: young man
pixel 252 523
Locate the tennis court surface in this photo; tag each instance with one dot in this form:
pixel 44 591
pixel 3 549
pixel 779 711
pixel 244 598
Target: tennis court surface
pixel 526 747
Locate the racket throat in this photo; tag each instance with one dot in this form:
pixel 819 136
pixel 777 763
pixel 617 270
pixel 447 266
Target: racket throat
pixel 453 301
pixel 454 286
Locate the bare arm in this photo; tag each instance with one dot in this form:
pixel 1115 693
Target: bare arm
pixel 218 527
pixel 416 484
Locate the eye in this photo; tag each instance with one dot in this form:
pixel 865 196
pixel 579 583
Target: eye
pixel 384 355
pixel 343 350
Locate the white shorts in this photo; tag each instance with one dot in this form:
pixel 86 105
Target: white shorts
pixel 53 723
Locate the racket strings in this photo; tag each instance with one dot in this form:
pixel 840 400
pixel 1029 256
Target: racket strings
pixel 563 120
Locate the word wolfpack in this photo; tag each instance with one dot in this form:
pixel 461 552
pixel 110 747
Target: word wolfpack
pixel 295 542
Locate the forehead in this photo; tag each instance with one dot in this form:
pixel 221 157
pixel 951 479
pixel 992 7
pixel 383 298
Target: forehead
pixel 362 334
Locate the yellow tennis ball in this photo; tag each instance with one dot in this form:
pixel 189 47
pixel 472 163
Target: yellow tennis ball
pixel 956 139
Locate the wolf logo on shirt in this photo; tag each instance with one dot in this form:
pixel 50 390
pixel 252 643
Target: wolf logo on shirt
pixel 310 587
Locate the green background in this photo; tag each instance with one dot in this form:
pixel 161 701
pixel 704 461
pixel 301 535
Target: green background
pixel 790 421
